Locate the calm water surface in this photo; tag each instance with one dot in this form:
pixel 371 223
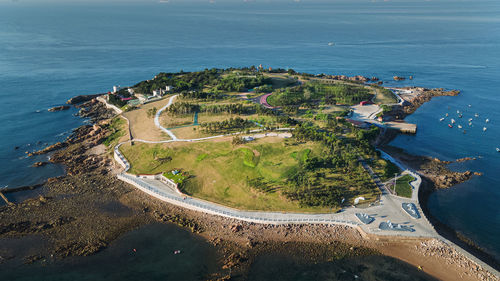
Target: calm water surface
pixel 50 52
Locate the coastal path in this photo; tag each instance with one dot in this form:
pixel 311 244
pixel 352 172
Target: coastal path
pixel 388 209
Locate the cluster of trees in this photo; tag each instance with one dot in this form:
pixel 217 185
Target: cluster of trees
pixel 201 95
pixel 339 157
pixel 116 100
pixel 151 112
pixel 181 81
pixel 315 92
pixel 260 184
pixel 239 83
pixel 231 108
pixel 226 126
pixel 264 89
pixel 181 108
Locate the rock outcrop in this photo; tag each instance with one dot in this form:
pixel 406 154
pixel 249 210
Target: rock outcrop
pixel 59 108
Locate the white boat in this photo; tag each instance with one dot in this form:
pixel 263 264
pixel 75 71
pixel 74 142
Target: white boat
pixel 470 119
pixel 498 149
pixel 460 126
pixel 487 120
pixel 484 129
pixel 460 115
pixel 441 119
pixel 452 121
pixel 470 123
pixel 446 115
pixel 470 105
pixel 458 111
pixel 331 44
pixel 476 115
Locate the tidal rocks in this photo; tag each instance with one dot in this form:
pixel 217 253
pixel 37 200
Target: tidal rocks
pixel 58 108
pixel 50 148
pixel 398 78
pixel 82 98
pixel 452 179
pixel 39 164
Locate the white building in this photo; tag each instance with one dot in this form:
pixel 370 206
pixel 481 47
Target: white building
pixel 130 91
pixel 156 93
pixel 116 89
pixel 168 88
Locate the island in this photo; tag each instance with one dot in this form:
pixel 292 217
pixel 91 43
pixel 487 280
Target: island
pixel 249 157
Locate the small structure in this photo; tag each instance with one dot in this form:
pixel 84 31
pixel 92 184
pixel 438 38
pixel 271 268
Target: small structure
pixel 116 89
pixel 168 88
pixel 364 218
pixel 359 124
pixel 365 102
pixel 248 138
pixel 411 209
pixel 394 226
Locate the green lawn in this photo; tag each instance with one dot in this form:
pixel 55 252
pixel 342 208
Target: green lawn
pixel 403 187
pixel 384 96
pixel 220 171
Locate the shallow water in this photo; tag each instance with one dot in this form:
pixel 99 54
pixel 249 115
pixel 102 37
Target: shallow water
pixel 154 259
pixel 50 52
pixel 276 267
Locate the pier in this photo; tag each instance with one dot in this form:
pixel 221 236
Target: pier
pixel 403 127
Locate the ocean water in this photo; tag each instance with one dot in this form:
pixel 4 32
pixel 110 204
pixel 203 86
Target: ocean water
pixel 51 51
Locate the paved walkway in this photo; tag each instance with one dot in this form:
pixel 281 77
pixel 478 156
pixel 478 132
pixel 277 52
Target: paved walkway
pixel 388 209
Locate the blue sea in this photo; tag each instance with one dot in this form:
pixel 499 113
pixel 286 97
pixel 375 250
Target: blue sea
pixel 51 51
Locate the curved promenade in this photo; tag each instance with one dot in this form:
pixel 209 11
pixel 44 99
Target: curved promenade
pixel 389 208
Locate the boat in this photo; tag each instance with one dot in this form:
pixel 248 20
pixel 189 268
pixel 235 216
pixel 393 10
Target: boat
pixel 458 111
pixel 487 120
pixel 470 119
pixel 446 115
pixel 459 126
pixel 498 149
pixel 484 129
pixel 331 44
pixel 452 121
pixel 176 252
pixel 449 125
pixel 441 119
pixel 460 115
pixel 465 132
pixel 470 105
pixel 470 123
pixel 476 115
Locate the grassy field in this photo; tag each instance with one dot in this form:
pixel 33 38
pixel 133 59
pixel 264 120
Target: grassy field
pixel 403 187
pixel 220 171
pixel 118 126
pixel 384 96
pixel 142 125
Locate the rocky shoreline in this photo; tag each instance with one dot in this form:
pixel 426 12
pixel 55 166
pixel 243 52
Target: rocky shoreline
pixel 84 211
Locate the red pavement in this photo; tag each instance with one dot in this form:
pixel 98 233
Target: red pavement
pixel 263 100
